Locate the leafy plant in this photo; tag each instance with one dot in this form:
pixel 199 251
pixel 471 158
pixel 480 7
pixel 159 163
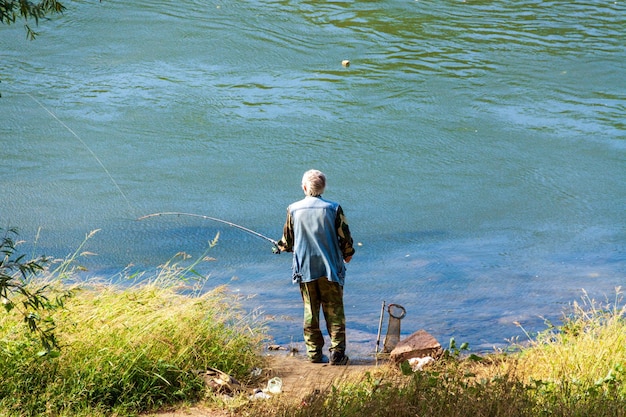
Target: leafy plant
pixel 10 10
pixel 453 350
pixel 18 292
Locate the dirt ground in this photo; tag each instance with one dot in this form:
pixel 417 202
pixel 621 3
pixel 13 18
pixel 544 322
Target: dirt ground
pixel 300 379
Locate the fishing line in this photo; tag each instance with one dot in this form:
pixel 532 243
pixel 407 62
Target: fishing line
pixel 245 229
pixel 86 147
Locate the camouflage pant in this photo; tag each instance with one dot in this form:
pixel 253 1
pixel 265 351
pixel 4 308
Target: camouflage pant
pixel 329 296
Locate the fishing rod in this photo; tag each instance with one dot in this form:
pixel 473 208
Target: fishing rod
pixel 245 229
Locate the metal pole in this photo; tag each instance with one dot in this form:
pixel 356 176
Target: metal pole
pixel 380 327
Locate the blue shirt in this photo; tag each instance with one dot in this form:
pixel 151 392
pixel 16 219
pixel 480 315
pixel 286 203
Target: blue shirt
pixel 316 248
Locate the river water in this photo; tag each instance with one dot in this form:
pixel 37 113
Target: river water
pixel 478 149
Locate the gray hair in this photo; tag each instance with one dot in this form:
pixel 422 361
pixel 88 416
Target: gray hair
pixel 315 182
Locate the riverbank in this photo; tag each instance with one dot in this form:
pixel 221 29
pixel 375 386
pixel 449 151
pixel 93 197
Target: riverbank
pixel 577 369
pixel 150 346
pixel 301 381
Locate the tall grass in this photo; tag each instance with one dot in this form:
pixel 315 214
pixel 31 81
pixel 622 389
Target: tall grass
pixel 583 361
pixel 126 349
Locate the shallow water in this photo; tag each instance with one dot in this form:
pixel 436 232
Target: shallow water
pixel 478 149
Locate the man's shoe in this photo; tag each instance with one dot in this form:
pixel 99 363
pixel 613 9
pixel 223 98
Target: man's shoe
pixel 319 359
pixel 338 358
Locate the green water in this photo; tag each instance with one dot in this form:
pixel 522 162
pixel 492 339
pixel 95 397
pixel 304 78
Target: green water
pixel 478 148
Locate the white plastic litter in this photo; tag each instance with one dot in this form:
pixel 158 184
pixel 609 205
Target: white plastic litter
pixel 275 385
pixel 260 395
pixel 417 364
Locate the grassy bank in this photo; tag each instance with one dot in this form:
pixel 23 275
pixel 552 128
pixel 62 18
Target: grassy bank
pixel 126 349
pixel 123 349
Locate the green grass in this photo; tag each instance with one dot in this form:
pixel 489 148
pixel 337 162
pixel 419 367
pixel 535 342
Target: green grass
pixel 125 349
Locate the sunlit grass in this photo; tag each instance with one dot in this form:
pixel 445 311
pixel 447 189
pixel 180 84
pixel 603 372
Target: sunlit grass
pixel 583 359
pixel 127 348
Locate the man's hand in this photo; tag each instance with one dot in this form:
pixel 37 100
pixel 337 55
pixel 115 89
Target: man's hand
pixel 348 259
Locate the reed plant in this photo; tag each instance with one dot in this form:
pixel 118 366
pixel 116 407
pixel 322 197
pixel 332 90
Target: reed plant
pixel 125 348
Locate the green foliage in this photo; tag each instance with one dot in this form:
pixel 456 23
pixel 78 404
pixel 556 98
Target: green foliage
pixel 11 10
pixel 455 351
pixel 128 348
pixel 19 293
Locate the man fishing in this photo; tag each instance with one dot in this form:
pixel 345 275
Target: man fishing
pixel 317 233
